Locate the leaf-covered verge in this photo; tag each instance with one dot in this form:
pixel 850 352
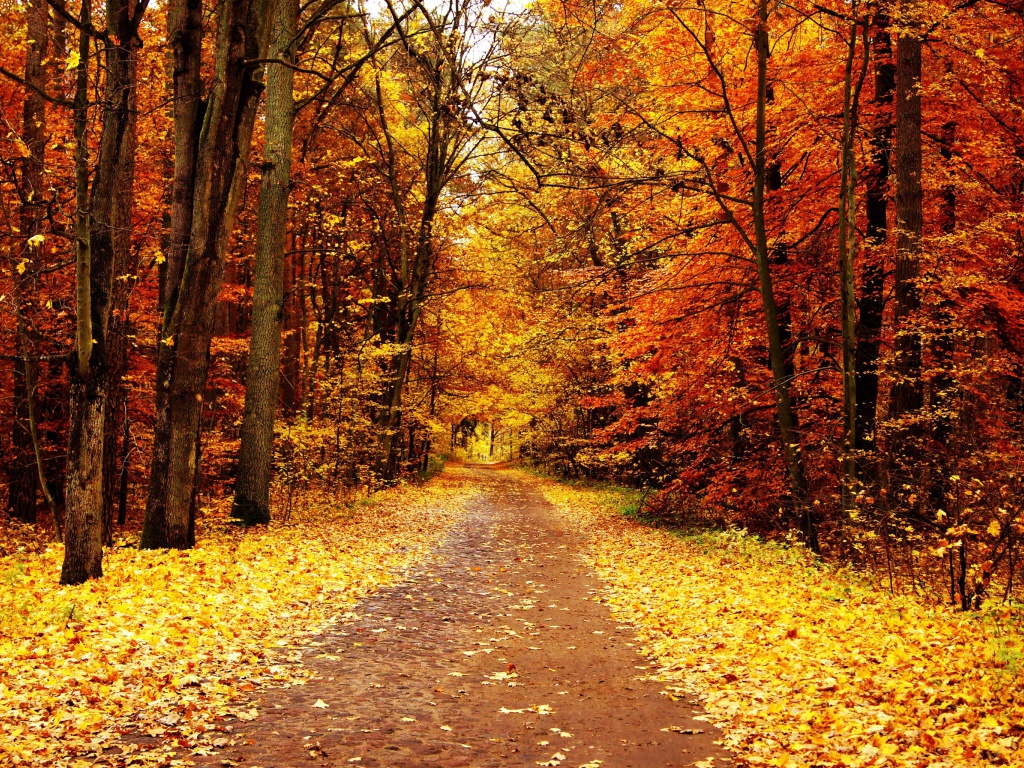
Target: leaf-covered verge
pixel 170 644
pixel 802 664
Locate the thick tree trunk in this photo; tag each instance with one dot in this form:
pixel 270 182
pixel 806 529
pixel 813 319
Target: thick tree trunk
pixel 784 412
pixel 185 32
pixel 262 380
pixel 871 305
pixel 908 389
pixel 98 265
pixel 220 173
pixel 83 495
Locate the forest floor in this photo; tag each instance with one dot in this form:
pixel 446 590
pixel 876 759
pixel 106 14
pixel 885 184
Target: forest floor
pixel 492 618
pixel 496 651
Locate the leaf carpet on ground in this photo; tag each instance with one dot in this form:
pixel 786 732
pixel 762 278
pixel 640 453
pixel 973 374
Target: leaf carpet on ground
pixel 802 664
pixel 167 643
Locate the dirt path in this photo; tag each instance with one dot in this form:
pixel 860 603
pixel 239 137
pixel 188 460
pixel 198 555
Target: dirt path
pixel 495 653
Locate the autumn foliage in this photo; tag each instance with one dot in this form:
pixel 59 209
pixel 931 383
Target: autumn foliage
pixel 665 181
pixel 761 261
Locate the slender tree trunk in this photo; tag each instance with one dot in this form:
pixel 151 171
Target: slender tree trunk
pixel 185 33
pixel 124 467
pixel 20 467
pixel 118 351
pixel 908 390
pixel 290 353
pixel 220 173
pixel 871 306
pixel 943 384
pixel 847 258
pixel 413 282
pixel 262 380
pixel 22 470
pixel 37 449
pixel 790 439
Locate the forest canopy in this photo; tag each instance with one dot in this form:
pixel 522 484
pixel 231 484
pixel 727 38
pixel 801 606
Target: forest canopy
pixel 761 259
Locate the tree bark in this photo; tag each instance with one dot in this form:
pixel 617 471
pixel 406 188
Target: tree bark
pixel 118 350
pixel 220 174
pixel 21 469
pixel 185 33
pixel 83 540
pixel 908 389
pixel 871 305
pixel 290 373
pixel 98 265
pixel 944 385
pixel 847 259
pixel 790 439
pixel 262 381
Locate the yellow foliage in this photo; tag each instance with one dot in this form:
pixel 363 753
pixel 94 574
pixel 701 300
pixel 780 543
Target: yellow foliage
pixel 168 642
pixel 799 663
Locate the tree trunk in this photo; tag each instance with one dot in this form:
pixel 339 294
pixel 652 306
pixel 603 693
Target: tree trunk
pixel 291 319
pixel 37 449
pixel 407 303
pixel 790 440
pixel 83 539
pixel 83 495
pixel 908 390
pixel 185 32
pixel 220 174
pixel 97 221
pixel 126 453
pixel 847 258
pixel 118 350
pixel 21 468
pixel 262 380
pixel 22 486
pixel 876 204
pixel 943 384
